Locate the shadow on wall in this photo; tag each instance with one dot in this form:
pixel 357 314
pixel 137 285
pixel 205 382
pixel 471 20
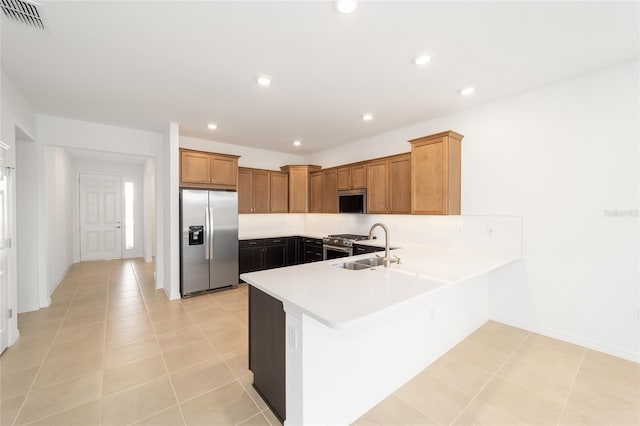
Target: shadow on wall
pixel 511 296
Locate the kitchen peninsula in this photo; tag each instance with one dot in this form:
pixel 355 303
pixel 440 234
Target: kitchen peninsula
pixel 328 343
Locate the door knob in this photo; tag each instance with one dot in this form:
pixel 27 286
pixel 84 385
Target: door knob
pixel 117 227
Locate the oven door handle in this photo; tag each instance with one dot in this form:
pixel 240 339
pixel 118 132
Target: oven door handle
pixel 338 248
pixel 326 248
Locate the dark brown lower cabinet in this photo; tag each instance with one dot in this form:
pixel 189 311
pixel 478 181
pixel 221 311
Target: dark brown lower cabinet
pixel 267 349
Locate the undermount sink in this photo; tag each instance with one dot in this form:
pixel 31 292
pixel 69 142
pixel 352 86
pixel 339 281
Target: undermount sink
pixel 360 264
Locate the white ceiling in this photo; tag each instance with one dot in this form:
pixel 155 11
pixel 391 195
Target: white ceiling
pixel 143 64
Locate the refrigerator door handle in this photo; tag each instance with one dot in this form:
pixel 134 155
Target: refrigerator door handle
pixel 212 230
pixel 206 233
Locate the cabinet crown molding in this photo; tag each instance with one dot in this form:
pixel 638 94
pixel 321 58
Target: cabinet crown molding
pixel 181 149
pixel 436 136
pixel 310 167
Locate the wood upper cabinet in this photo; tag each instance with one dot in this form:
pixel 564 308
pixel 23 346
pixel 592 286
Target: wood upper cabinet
pixel 195 167
pixel 330 191
pixel 262 191
pixel 245 196
pixel 399 179
pixel 279 192
pixel 199 169
pixel 324 191
pixel 316 193
pixel 435 174
pixel 388 185
pixel 352 177
pixel 377 187
pixel 299 186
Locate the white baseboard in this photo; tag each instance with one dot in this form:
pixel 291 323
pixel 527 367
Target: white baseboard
pixel 30 308
pixel 16 337
pixel 55 286
pixel 596 346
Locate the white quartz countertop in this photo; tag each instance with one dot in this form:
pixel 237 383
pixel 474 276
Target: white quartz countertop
pixel 267 234
pixel 340 297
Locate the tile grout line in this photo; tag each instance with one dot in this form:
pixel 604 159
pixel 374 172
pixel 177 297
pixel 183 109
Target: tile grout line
pixel 44 359
pixel 155 335
pixel 104 351
pixel 71 300
pixel 221 355
pixel 475 397
pixel 225 361
pixel 573 382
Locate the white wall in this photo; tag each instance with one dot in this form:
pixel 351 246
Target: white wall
pixel 249 157
pixel 26 222
pixel 171 211
pixel 129 173
pixel 60 208
pixel 15 113
pixel 68 133
pixel 559 157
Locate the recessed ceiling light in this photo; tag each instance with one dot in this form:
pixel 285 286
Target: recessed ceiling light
pixel 467 91
pixel 422 59
pixel 263 80
pixel 212 126
pixel 367 117
pixel 297 143
pixel 346 6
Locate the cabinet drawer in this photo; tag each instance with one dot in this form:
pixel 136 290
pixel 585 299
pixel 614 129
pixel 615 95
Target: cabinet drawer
pixel 275 241
pixel 252 243
pixel 312 254
pixel 313 242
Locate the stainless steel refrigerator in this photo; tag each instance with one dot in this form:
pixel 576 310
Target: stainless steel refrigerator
pixel 209 248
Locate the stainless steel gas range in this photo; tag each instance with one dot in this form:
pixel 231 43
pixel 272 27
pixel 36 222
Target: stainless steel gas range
pixel 339 245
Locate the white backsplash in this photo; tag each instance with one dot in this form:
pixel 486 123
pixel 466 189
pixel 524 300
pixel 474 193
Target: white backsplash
pixel 494 233
pixel 256 225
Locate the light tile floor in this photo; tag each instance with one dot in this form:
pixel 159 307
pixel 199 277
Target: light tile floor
pixel 113 350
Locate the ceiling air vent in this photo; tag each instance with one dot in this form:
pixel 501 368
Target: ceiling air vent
pixel 23 11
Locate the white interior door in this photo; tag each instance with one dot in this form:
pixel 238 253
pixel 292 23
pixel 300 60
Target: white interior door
pixel 100 217
pixel 4 276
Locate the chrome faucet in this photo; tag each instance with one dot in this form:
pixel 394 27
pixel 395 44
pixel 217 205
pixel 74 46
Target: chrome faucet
pixel 386 259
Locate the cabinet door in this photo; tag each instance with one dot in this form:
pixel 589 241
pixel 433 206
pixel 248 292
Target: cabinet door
pixel 275 256
pixel 400 184
pixel 330 191
pixel 224 170
pixel 267 349
pixel 260 191
pixel 377 187
pixel 194 167
pixel 245 197
pixel 358 177
pixel 315 205
pixel 344 178
pixel 279 192
pixel 292 251
pixel 250 259
pixel 429 190
pixel 298 190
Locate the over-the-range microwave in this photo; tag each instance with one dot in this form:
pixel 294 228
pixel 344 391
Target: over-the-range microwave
pixel 352 201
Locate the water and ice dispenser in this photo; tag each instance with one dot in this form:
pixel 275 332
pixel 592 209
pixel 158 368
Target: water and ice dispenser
pixel 196 235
